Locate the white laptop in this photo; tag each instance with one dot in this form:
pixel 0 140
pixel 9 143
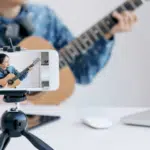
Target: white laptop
pixel 137 119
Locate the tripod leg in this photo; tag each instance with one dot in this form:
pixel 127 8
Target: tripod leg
pixel 4 139
pixel 6 143
pixel 39 144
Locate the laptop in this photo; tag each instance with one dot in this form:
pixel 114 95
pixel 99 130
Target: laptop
pixel 137 119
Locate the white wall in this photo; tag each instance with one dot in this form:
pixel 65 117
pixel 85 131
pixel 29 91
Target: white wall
pixel 126 79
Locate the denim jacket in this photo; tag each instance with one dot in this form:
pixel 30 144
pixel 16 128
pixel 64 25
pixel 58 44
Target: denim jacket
pixel 50 27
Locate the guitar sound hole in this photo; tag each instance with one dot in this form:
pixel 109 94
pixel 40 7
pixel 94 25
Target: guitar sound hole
pixel 10 82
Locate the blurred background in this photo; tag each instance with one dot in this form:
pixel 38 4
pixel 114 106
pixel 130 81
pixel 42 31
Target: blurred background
pixel 125 81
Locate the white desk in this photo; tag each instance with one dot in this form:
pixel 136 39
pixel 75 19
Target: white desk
pixel 70 134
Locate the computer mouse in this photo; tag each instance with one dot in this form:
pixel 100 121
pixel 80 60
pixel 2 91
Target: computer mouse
pixel 97 122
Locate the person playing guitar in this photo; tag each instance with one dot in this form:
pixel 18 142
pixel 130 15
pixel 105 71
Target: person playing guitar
pixel 6 68
pixel 48 26
pixel 51 28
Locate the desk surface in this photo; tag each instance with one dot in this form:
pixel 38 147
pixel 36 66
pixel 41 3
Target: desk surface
pixel 70 134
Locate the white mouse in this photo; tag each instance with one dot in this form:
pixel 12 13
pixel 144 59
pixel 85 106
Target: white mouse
pixel 97 122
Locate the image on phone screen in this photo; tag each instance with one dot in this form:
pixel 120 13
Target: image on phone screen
pixel 29 70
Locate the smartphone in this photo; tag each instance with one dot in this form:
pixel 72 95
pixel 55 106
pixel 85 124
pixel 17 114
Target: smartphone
pixel 36 70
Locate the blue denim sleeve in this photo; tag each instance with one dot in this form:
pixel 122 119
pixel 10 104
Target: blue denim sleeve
pixel 59 34
pixel 88 65
pixel 17 73
pixel 23 76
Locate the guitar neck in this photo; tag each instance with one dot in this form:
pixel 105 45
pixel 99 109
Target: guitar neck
pixel 30 66
pixel 81 44
pixel 25 70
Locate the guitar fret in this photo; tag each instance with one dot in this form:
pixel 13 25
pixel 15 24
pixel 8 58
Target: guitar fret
pixel 103 28
pixel 128 5
pixel 105 25
pixel 86 41
pixel 96 32
pixel 90 34
pixel 68 53
pixel 62 64
pixel 80 43
pixel 66 56
pixel 79 46
pixel 72 50
pixel 120 9
pixel 62 61
pixel 133 5
pixel 137 2
pixel 110 21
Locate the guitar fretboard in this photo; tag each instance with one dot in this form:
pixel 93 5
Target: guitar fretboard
pixel 26 69
pixel 81 44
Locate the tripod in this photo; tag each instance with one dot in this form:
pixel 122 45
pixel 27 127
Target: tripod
pixel 14 123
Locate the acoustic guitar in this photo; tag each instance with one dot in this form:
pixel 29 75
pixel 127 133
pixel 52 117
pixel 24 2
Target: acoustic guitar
pixel 77 47
pixel 12 81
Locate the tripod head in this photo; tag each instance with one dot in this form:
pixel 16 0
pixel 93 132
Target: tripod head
pixel 14 120
pixel 14 96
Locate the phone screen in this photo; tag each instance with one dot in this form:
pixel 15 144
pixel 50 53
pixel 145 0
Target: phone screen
pixel 29 70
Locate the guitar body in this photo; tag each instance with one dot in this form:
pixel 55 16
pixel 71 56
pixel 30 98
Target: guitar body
pixel 15 84
pixel 67 80
pixel 4 81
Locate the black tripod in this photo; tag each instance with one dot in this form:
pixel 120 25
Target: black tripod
pixel 14 122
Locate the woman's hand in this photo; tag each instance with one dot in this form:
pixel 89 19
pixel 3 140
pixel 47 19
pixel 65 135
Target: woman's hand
pixel 126 20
